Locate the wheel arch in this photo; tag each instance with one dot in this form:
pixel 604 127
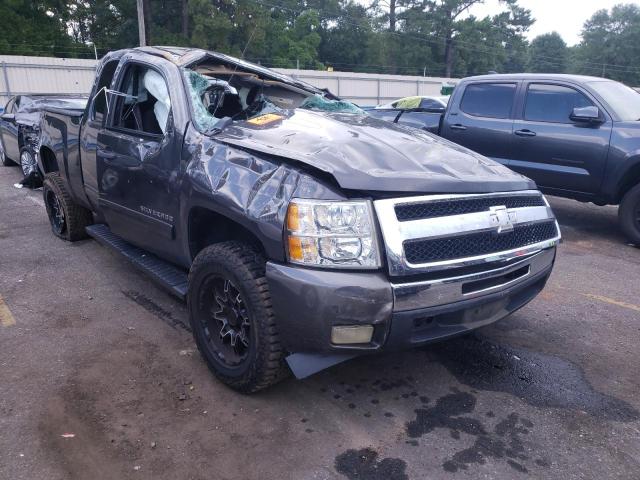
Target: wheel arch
pixel 206 227
pixel 48 160
pixel 628 180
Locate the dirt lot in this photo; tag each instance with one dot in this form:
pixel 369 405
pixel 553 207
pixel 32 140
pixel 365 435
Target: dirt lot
pixel 99 378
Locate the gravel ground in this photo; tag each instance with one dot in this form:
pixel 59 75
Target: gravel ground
pixel 99 378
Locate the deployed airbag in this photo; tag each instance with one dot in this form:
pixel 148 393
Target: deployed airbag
pixel 156 86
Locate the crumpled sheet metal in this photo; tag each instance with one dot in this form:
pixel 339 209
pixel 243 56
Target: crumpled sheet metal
pixel 70 103
pixel 367 154
pixel 253 190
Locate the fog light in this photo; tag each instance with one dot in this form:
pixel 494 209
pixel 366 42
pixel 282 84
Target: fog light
pixel 351 334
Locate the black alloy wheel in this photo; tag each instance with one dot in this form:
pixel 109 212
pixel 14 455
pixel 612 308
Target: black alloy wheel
pixel 56 213
pixel 227 326
pixel 27 162
pixel 232 318
pixel 68 219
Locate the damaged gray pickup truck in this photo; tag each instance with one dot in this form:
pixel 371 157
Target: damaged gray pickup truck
pixel 299 230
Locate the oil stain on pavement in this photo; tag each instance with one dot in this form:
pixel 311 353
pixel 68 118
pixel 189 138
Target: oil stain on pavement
pixel 364 464
pixel 543 381
pixel 540 380
pixel 453 411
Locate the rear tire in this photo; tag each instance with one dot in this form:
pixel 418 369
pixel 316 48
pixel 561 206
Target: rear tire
pixel 27 162
pixel 629 215
pixel 68 219
pixel 229 298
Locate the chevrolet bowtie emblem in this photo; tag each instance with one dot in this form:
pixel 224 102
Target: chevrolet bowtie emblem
pixel 502 218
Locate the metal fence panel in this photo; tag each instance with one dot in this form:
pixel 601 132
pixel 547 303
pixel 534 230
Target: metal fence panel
pixel 22 74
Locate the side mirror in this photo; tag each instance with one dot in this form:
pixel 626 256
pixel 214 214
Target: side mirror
pixel 586 115
pixel 9 117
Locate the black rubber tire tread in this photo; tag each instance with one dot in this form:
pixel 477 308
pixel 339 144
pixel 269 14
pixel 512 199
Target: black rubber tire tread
pixel 626 215
pixel 247 266
pixel 77 218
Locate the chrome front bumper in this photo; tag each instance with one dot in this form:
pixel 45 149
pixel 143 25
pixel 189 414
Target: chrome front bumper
pixel 442 291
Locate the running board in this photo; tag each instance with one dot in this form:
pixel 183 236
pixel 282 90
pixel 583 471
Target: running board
pixel 165 274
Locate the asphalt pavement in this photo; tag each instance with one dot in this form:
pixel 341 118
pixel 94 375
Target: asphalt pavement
pixel 100 379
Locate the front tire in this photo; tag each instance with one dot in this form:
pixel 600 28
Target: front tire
pixel 232 318
pixel 629 214
pixel 68 219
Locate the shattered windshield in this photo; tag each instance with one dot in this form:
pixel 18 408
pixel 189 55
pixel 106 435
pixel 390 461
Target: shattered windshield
pixel 217 93
pixel 318 102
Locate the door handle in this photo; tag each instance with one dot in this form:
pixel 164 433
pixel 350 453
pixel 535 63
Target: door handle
pixel 457 126
pixel 525 133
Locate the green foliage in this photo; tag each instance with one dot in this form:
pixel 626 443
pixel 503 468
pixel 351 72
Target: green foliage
pixel 610 45
pixel 36 28
pixel 548 53
pixel 411 37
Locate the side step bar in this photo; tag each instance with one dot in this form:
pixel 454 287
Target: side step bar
pixel 167 275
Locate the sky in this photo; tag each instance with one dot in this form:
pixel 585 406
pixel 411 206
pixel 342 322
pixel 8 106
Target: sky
pixel 563 16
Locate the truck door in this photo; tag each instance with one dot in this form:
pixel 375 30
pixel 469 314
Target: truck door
pixel 93 125
pixel 480 118
pixel 137 161
pixel 553 150
pixel 10 130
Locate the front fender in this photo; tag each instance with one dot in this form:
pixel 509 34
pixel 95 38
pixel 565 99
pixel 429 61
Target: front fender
pixel 251 189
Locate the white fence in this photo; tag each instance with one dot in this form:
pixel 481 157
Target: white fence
pixel 22 75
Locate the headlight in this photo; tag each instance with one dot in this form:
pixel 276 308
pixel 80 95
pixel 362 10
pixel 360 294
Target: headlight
pixel 332 233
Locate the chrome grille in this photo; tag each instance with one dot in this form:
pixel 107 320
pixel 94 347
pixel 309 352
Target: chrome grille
pixel 481 243
pixel 443 208
pixel 452 231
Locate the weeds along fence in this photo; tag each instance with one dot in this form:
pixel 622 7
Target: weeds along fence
pixel 24 75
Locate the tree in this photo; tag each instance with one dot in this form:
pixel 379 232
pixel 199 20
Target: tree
pixel 345 44
pixel 300 43
pixel 40 28
pixel 548 53
pixel 611 45
pixel 436 37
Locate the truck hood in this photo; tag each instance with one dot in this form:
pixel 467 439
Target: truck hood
pixel 365 153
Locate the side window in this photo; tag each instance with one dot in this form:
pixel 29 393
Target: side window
pixel 429 103
pixel 143 101
pixel 99 105
pixel 492 100
pixel 552 103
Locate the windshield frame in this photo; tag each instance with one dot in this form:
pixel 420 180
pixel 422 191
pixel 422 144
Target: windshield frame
pixel 613 108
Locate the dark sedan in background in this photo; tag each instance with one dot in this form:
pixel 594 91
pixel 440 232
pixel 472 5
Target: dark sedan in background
pixel 422 112
pixel 20 127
